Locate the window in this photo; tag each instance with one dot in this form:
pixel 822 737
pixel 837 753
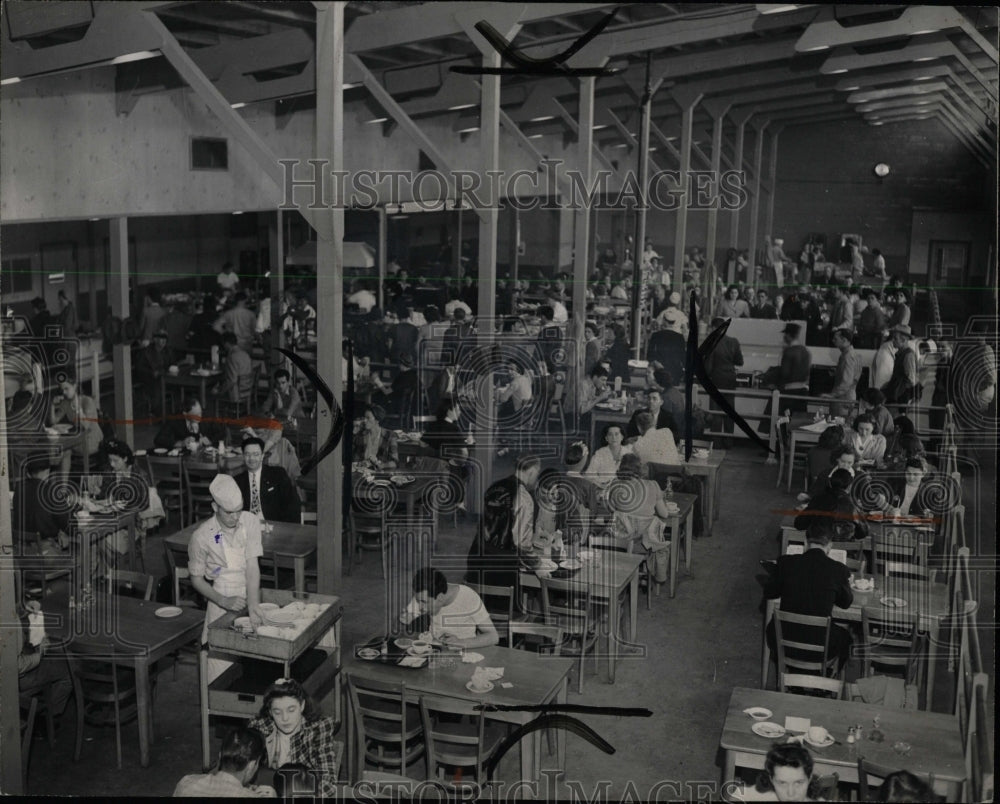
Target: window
pixel 209 153
pixel 15 275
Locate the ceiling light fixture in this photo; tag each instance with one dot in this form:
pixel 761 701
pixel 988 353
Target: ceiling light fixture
pixel 8 81
pixel 460 107
pixel 881 170
pixel 926 58
pixel 138 56
pixel 542 119
pixel 468 130
pixel 837 72
pixel 377 120
pixel 238 105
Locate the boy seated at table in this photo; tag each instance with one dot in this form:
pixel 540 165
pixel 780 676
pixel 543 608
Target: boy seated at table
pixel 188 429
pixel 241 755
pixel 457 615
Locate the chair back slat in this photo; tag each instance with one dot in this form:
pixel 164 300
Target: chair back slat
pixel 817 654
pixel 499 603
pixel 445 744
pixel 982 752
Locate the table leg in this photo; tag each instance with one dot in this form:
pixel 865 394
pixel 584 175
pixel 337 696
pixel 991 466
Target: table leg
pixel 206 748
pixel 688 539
pixel 529 770
pixel 791 458
pixel 633 607
pixel 144 705
pixel 560 735
pixel 728 768
pixel 300 573
pixel 675 549
pixel 613 628
pixel 933 634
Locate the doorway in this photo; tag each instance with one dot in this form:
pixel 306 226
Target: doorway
pixel 949 263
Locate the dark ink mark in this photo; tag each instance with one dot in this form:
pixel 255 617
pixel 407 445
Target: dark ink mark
pixel 337 427
pixel 527 65
pixel 550 721
pixel 695 367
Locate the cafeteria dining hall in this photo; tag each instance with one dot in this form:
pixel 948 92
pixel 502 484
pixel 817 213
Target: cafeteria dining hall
pixel 495 400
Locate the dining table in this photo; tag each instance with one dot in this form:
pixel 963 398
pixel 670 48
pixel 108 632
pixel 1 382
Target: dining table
pixel 189 378
pixel 126 632
pixel 918 741
pixel 529 680
pixel 929 600
pixel 289 544
pixel 414 479
pixel 709 467
pixel 609 578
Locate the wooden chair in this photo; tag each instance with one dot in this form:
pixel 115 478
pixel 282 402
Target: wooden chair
pixel 98 685
pixel 981 753
pixel 542 639
pixel 828 687
pixel 387 727
pixel 783 440
pixel 132 584
pixel 813 657
pixel 366 529
pixel 458 745
pixel 613 544
pixel 827 787
pixel 499 602
pixel 244 404
pixel 570 608
pixel 167 474
pixel 198 476
pixel 176 559
pixel 890 639
pixel 898 553
pixel 36 566
pixel 867 768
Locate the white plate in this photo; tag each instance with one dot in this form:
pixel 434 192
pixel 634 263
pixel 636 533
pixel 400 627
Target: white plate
pixel 893 602
pixel 479 690
pixel 825 744
pixel 402 480
pixel 758 712
pixel 169 611
pixel 139 453
pixel 368 653
pixel 771 731
pixel 571 564
pixel 159 451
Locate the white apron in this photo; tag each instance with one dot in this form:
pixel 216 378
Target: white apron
pixel 232 580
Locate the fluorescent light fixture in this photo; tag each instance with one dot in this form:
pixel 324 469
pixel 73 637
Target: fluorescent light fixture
pixel 535 136
pixel 924 102
pixel 595 128
pixel 238 212
pixel 851 89
pixel 924 32
pixel 377 120
pixel 815 48
pixel 542 119
pixel 349 86
pixel 926 58
pixel 876 122
pixel 468 130
pixel 924 77
pixel 8 81
pixel 239 105
pixel 837 72
pixel 460 107
pixel 139 56
pixel 620 145
pixel 775 8
pixel 94 219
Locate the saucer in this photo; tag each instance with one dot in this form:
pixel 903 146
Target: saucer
pixel 571 564
pixel 368 653
pixel 771 731
pixel 893 602
pixel 414 652
pixel 758 712
pixel 169 611
pixel 825 744
pixel 479 690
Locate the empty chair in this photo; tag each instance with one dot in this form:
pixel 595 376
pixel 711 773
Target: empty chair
pixel 133 584
pixel 570 608
pixel 166 473
pixel 499 602
pixel 176 558
pixel 890 639
pixel 387 728
pixel 198 477
pixel 614 544
pixel 457 744
pixel 367 532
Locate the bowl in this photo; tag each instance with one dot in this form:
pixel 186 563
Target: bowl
pixel 758 713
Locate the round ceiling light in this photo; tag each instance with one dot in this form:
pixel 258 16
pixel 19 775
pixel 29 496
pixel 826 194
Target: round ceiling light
pixel 881 170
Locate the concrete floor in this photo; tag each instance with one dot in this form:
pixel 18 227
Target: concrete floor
pixel 699 646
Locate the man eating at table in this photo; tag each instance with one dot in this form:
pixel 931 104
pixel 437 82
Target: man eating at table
pixel 812 583
pixel 242 753
pixel 189 430
pixel 267 491
pixel 222 560
pixel 458 617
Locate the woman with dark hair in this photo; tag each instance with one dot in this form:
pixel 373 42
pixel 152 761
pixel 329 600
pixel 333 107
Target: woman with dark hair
pixel 605 461
pixel 905 786
pixel 563 515
pixel 373 444
pixel 731 305
pixel 80 412
pixel 873 403
pixel 841 457
pixel 869 446
pixel 617 355
pixel 787 776
pixel 297 734
pixel 818 458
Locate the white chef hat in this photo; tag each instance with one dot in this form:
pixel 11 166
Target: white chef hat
pixel 226 493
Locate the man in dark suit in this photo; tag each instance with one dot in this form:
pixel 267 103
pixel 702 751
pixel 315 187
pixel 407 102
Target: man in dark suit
pixel 812 583
pixel 181 431
pixel 667 350
pixel 721 365
pixel 663 417
pixel 266 490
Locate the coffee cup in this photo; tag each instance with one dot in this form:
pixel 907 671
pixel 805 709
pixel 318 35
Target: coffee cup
pixel 818 734
pixel 420 646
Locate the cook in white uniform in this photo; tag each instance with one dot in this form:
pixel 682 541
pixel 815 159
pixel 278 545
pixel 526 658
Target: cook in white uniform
pixel 222 559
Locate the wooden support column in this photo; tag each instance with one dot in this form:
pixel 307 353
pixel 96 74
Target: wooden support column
pixel 276 250
pixel 718 109
pixel 118 295
pixel 758 160
pixel 687 99
pixel 330 287
pixel 740 119
pixel 645 109
pixel 10 639
pixel 457 250
pixel 581 251
pixel 772 180
pixel 383 226
pixel 515 242
pixel 489 220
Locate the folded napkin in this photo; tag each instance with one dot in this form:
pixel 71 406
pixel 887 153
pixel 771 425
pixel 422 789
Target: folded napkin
pixel 413 661
pixel 472 658
pixel 816 427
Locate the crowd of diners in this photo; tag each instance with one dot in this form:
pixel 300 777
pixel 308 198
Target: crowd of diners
pixel 533 513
